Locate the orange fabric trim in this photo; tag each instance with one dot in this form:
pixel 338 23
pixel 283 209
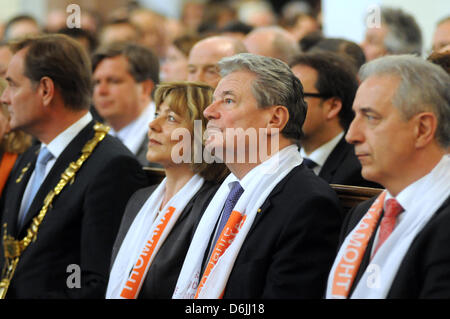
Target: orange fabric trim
pixel 348 266
pixel 134 282
pixel 227 236
pixel 6 165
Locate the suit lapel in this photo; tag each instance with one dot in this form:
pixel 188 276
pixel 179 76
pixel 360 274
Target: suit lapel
pixel 264 209
pixel 334 160
pixel 134 206
pixel 16 187
pixel 141 153
pixel 70 154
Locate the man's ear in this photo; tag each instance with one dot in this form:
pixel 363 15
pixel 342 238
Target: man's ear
pixel 279 118
pixel 147 87
pixel 47 90
pixel 332 107
pixel 425 125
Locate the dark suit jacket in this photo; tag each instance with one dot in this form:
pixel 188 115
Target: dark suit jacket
pixel 82 223
pixel 163 273
pixel 292 243
pixel 141 153
pixel 425 269
pixel 343 167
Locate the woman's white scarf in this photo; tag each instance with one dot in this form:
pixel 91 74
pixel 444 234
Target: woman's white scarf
pixel 377 279
pixel 269 174
pixel 142 230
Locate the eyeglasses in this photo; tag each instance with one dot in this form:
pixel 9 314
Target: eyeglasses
pixel 320 95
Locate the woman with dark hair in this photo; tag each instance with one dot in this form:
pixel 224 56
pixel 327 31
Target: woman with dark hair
pixel 160 220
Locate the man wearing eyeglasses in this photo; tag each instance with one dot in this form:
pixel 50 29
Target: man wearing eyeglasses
pixel 329 83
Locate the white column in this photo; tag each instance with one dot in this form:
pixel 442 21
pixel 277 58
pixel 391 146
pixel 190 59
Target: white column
pixel 346 18
pixel 10 8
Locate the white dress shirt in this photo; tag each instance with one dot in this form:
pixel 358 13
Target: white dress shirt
pixel 133 135
pixel 320 155
pixel 56 147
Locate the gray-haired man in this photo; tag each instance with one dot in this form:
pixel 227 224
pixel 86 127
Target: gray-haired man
pixel 396 246
pixel 280 237
pixel 398 33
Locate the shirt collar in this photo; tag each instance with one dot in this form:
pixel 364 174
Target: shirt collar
pixel 320 155
pixel 407 197
pixel 58 144
pixel 134 133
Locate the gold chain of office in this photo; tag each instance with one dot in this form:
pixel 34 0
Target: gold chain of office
pixel 13 248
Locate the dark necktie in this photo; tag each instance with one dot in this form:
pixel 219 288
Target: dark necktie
pixel 230 202
pixel 309 163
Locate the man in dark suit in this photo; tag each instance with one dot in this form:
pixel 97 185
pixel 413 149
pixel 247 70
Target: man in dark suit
pixel 397 245
pixel 125 76
pixel 60 213
pixel 283 246
pixel 330 85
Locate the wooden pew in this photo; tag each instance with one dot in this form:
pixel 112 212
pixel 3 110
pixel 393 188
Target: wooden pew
pixel 351 196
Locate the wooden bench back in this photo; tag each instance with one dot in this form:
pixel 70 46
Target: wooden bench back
pixel 349 196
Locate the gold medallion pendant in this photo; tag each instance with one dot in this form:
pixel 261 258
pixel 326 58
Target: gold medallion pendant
pixel 12 253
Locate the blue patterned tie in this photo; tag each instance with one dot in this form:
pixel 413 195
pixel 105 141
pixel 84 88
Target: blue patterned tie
pixel 39 173
pixel 230 202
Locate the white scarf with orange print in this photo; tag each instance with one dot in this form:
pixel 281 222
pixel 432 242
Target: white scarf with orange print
pixel 270 173
pixel 144 238
pixel 377 279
